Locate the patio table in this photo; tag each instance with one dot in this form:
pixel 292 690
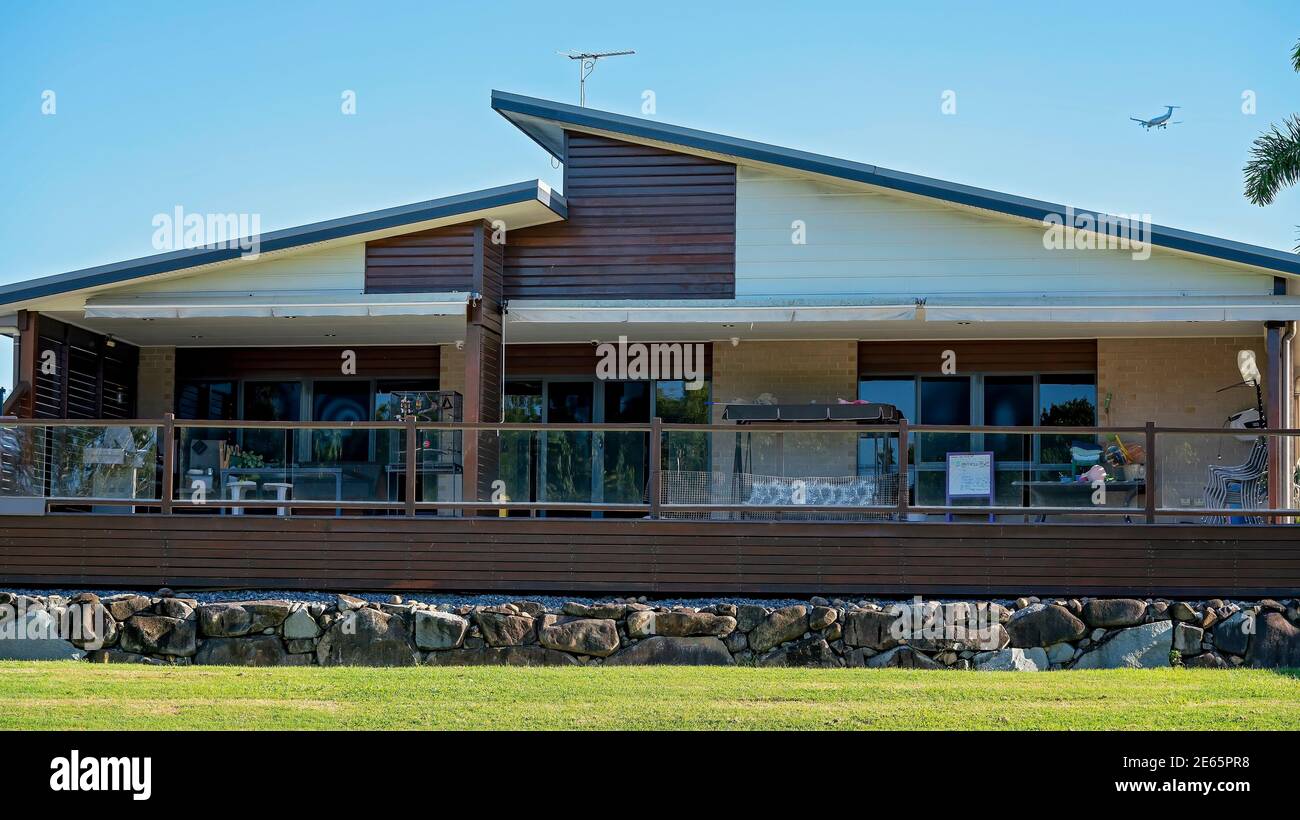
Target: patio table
pixel 1078 493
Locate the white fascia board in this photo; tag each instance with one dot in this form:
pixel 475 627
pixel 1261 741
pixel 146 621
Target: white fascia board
pixel 226 306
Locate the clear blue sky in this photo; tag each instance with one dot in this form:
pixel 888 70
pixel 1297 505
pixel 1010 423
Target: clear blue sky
pixel 234 107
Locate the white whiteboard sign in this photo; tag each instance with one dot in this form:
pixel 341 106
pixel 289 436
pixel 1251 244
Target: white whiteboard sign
pixel 970 475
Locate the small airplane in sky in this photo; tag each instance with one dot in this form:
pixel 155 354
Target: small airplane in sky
pixel 1161 121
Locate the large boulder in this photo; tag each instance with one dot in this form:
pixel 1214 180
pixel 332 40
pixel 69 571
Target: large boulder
pixel 749 616
pixel 124 606
pixel 960 638
pixel 439 630
pixel 300 625
pixel 1187 639
pixel 1033 659
pixel 503 628
pixel 904 657
pixel 500 656
pixel 665 651
pixel 1276 643
pixel 1109 613
pixel 582 636
pixel 91 626
pixel 1044 627
pixel 232 620
pixel 679 624
pixel 870 628
pixel 782 625
pixel 1138 647
pixel 258 650
pixel 1233 634
pixel 811 652
pixel 159 635
pixel 34 636
pixel 367 637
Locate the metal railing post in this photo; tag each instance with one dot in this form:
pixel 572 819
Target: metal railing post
pixel 169 462
pixel 1153 484
pixel 656 465
pixel 902 469
pixel 411 434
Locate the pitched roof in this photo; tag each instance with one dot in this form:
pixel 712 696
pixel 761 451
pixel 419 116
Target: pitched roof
pixel 356 225
pixel 545 122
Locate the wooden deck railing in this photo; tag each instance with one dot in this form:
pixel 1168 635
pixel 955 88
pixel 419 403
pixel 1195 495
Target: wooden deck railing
pixel 169 431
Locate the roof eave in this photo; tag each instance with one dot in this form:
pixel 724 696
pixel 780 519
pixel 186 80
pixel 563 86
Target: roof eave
pixel 515 107
pixel 343 227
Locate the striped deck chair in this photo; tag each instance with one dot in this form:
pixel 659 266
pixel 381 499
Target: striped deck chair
pixel 1242 484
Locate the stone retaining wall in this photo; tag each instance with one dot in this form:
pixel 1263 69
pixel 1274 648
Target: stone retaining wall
pixel 1024 635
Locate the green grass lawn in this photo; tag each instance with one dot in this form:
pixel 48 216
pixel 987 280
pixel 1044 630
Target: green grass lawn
pixel 69 695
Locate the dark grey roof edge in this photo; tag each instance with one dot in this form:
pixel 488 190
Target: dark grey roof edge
pixel 506 104
pixel 341 227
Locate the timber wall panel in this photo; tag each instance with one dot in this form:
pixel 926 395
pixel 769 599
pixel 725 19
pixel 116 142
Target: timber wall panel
pixel 433 261
pixel 568 359
pixel 381 361
pixel 652 557
pixel 643 223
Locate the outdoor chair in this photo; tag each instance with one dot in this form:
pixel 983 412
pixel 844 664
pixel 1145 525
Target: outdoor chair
pixel 1241 483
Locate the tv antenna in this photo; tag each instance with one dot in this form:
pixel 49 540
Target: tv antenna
pixel 587 64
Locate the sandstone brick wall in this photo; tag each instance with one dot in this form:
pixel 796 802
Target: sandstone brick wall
pixel 793 372
pixel 451 372
pixel 156 382
pixel 1173 381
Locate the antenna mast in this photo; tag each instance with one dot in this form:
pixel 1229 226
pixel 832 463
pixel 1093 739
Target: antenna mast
pixel 587 64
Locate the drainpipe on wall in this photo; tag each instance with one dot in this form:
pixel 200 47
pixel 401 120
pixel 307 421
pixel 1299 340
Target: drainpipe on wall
pixel 1288 417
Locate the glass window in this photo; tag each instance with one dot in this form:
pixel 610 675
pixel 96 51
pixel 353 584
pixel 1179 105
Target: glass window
pixel 878 452
pixel 569 453
pixel 1009 402
pixel 1065 401
pixel 900 392
pixel 417 394
pixel 272 401
pixel 683 451
pixel 944 400
pixel 341 401
pixel 522 404
pixel 206 400
pixel 625 453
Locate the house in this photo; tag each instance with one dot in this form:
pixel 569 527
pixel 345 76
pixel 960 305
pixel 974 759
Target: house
pixel 414 398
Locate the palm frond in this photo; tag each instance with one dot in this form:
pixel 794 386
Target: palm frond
pixel 1295 56
pixel 1274 162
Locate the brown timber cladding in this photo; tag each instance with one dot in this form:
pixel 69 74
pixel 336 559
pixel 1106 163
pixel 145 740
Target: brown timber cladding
pixel 434 261
pixel 568 359
pixel 639 556
pixel 994 356
pixel 385 361
pixel 644 223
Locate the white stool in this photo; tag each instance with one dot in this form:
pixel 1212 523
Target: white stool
pixel 237 493
pixel 282 489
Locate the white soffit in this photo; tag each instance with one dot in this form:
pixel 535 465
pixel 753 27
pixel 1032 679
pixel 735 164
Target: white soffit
pixel 706 311
pixel 1110 311
pixel 281 306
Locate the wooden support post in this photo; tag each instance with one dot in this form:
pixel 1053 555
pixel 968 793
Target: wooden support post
pixel 655 490
pixel 168 462
pixel 412 434
pixel 1153 474
pixel 902 470
pixel 484 364
pixel 1277 390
